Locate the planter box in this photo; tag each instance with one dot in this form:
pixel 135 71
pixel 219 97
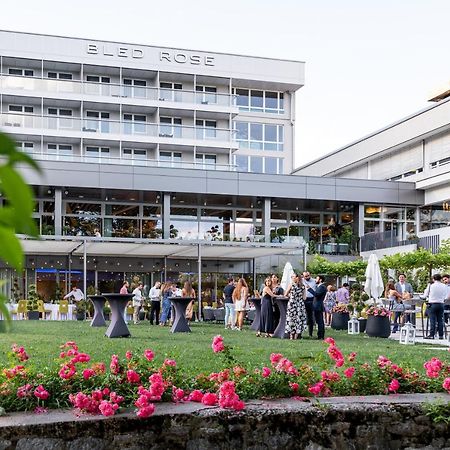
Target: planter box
pixel 81 316
pixel 362 325
pixel 378 326
pixel 141 315
pixel 339 321
pixel 33 315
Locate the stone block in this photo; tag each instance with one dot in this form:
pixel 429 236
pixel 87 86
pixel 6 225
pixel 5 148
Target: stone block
pixel 40 444
pixel 88 443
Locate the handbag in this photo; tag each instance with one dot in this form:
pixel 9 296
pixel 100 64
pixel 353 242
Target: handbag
pixel 398 307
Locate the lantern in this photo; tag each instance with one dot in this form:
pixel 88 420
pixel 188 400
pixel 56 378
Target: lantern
pixel 353 326
pixel 407 334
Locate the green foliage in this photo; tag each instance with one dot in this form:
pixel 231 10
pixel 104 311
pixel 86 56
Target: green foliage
pixel 320 265
pixel 32 298
pixel 16 215
pixel 15 291
pixel 438 412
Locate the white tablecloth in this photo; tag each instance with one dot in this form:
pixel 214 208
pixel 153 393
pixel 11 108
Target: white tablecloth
pixel 53 307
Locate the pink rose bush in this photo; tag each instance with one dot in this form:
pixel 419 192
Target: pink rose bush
pixel 136 380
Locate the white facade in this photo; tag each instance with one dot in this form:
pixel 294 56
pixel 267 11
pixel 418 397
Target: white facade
pixel 78 99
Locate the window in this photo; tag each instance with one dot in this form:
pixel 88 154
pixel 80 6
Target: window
pixel 205 161
pixel 59 75
pixel 61 150
pixel 21 109
pixel 258 164
pixel 21 72
pixel 134 123
pixel 134 88
pixel 97 152
pixel 97 85
pixel 260 136
pixel 260 101
pixel 206 94
pixel 97 121
pixel 170 127
pixel 205 129
pixel 241 163
pixel 170 159
pixel 170 91
pixel 134 153
pixel 27 147
pixel 60 118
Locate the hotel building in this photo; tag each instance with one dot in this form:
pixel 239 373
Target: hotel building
pixel 160 161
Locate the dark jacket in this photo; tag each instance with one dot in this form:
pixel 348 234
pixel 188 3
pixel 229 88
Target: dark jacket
pixel 319 296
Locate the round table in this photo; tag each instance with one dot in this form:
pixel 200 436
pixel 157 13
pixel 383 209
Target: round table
pixel 118 326
pixel 99 302
pixel 280 331
pixel 180 324
pixel 256 321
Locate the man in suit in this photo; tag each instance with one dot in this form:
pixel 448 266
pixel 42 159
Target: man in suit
pixel 406 291
pixel 310 286
pixel 318 308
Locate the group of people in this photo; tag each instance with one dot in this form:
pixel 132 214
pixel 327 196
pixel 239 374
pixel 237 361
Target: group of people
pixel 159 296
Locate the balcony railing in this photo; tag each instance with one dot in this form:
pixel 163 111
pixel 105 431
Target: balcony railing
pixel 116 91
pixel 42 156
pixel 385 239
pixel 102 126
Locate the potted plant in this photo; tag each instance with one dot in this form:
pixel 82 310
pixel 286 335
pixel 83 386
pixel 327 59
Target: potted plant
pixel 15 291
pixel 81 310
pixel 340 317
pixel 358 300
pixel 106 311
pixel 378 322
pixel 32 304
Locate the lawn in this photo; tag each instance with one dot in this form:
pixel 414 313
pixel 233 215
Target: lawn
pixel 193 352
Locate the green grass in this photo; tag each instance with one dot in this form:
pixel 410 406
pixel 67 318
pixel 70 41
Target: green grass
pixel 193 352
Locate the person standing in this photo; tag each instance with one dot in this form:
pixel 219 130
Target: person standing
pixel 76 294
pixel 166 292
pixel 437 293
pixel 310 286
pixel 266 320
pixel 329 302
pixel 137 302
pixel 124 288
pixel 240 295
pixel 395 304
pixel 343 294
pixel 277 290
pixel 318 308
pixel 296 313
pixel 189 292
pixel 446 281
pixel 155 305
pixel 230 314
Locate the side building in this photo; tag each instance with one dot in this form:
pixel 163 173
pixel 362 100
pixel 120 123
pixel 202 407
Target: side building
pixel 416 150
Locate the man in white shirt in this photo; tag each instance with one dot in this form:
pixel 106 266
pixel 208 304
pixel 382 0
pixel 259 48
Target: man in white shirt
pixel 437 293
pixel 137 302
pixel 155 298
pixel 76 294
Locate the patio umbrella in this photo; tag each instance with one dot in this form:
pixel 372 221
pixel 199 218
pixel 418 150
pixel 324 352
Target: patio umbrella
pixel 287 273
pixel 373 285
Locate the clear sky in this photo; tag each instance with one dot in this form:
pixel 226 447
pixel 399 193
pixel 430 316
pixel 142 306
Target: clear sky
pixel 368 63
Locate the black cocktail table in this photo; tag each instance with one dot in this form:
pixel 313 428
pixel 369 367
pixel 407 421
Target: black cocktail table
pixel 256 321
pixel 99 302
pixel 118 326
pixel 280 331
pixel 180 324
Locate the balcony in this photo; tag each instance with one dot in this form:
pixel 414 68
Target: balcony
pixel 385 239
pixel 118 92
pixel 119 130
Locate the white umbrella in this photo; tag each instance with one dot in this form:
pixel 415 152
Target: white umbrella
pixel 288 271
pixel 374 283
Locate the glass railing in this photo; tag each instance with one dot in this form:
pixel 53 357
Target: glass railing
pixel 116 90
pixel 102 126
pixel 71 157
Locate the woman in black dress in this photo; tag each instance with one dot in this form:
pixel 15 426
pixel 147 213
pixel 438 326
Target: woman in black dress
pixel 266 321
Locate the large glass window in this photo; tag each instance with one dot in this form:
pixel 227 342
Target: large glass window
pixel 259 101
pixel 258 164
pixel 259 136
pixel 170 159
pixel 122 210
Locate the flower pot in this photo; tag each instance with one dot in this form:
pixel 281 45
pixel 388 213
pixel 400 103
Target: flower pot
pixel 81 316
pixel 378 326
pixel 33 315
pixel 339 321
pixel 141 315
pixel 362 325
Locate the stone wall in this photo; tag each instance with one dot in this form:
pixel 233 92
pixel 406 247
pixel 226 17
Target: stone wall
pixel 393 422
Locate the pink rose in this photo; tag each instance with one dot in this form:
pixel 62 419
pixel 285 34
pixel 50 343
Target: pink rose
pixel 128 355
pixel 41 393
pixel 330 340
pixel 196 396
pixel 394 386
pixel 107 408
pixel 146 411
pixel 88 373
pixel 133 377
pixel 209 399
pixel 170 362
pixel 349 372
pixel 149 355
pixel 265 372
pixel 446 384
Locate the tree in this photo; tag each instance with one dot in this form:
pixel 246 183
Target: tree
pixel 16 214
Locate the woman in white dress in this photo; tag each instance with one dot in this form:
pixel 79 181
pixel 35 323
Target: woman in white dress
pixel 240 295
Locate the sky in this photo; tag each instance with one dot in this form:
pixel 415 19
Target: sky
pixel 368 63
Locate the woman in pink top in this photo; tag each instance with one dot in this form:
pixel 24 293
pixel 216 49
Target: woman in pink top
pixel 124 288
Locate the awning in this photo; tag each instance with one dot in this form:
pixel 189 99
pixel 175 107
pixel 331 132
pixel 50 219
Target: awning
pixel 162 248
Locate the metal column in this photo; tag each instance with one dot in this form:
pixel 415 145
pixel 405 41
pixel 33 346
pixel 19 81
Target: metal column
pixel 84 268
pixel 166 216
pixel 254 275
pixel 266 218
pixel 199 281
